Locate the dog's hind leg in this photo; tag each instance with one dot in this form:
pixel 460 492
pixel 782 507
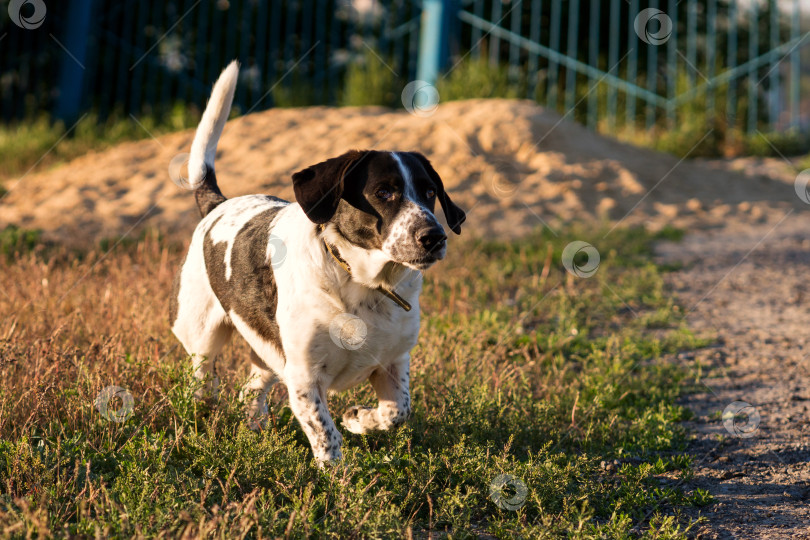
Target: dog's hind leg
pixel 392 386
pixel 203 348
pixel 200 324
pixel 254 392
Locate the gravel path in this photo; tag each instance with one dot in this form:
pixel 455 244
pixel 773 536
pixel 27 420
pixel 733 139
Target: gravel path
pixel 750 287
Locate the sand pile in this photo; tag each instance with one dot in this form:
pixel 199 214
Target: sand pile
pixel 511 164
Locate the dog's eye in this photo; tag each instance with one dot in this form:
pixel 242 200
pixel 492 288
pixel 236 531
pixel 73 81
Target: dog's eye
pixel 430 193
pixel 384 194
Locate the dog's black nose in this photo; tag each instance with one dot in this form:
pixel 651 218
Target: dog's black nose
pixel 431 238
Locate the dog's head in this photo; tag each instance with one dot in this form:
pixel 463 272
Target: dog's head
pixel 381 200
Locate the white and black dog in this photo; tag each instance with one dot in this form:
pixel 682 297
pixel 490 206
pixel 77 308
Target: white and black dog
pixel 321 289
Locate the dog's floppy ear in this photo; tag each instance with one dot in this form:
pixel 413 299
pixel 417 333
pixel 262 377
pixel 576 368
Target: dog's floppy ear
pixel 455 215
pixel 318 188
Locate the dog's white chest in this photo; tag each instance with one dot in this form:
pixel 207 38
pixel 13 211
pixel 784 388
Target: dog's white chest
pixel 358 344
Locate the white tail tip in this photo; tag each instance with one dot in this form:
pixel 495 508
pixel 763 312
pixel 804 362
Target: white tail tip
pixel 204 147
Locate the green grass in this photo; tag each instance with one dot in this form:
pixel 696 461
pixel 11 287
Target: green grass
pixel 14 240
pixel 568 385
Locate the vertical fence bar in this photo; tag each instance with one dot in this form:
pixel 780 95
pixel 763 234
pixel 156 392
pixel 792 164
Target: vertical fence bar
pixel 613 58
pixel 414 44
pixel 514 50
pixel 215 43
pixel 476 34
pixel 570 74
pixel 691 41
pixel 125 58
pixel 200 53
pixel 632 65
pixel 554 45
pixel 672 63
pixel 320 62
pixel 794 68
pixel 246 34
pixel 534 58
pixel 106 61
pixel 334 40
pixel 71 76
pixel 305 65
pixel 433 39
pixel 290 50
pixel 711 57
pixel 651 76
pixel 494 41
pixel 152 63
pixel 731 62
pixel 593 59
pixel 184 83
pixel 774 94
pixel 753 39
pixel 260 54
pixel 397 42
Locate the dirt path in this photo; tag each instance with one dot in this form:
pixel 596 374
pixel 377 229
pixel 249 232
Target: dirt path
pixel 751 288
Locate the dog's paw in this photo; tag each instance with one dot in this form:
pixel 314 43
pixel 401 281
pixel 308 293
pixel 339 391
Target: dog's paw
pixel 359 419
pixel 329 459
pixel 207 391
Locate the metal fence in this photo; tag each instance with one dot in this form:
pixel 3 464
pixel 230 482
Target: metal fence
pixel 639 62
pixel 604 62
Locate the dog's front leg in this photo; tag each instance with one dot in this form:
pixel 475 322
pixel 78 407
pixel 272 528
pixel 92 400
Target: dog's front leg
pixel 308 403
pixel 392 386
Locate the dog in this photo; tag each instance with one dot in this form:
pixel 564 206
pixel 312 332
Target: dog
pixel 325 290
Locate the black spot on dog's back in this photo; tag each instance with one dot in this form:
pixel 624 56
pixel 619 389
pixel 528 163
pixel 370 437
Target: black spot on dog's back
pixel 251 292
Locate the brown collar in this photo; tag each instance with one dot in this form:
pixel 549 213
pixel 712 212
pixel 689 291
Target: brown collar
pixel 390 293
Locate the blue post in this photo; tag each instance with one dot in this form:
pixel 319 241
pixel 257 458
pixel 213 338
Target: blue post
pixel 438 20
pixel 72 70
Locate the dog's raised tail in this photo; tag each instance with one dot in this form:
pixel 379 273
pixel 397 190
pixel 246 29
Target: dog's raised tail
pixel 201 176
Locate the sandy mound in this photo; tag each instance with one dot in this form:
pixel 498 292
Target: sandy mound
pixel 511 164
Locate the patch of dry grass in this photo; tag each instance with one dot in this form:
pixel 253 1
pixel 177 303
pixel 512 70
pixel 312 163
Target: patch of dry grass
pixel 522 369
